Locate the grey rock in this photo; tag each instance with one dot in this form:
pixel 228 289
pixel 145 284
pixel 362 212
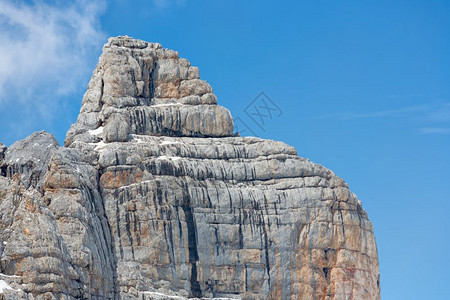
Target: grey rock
pixel 152 198
pixel 29 158
pixel 250 215
pixel 117 128
pixel 2 152
pixel 56 243
pixel 159 92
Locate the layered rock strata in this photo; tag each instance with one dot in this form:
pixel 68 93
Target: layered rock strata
pixel 152 197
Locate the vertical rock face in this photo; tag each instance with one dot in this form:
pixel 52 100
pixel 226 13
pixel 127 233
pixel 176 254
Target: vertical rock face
pixel 153 198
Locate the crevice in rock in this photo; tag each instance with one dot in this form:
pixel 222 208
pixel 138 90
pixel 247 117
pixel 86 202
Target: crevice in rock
pixel 151 85
pixel 192 239
pixel 3 170
pixel 109 237
pixel 101 93
pixel 266 247
pixel 325 272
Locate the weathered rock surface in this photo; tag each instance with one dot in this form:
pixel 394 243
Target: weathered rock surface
pixel 142 88
pixel 153 198
pixel 2 152
pixel 29 158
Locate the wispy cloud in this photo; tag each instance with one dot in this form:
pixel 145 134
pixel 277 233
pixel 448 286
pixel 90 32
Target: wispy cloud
pixel 168 3
pixel 46 50
pixel 441 114
pixel 412 96
pixel 403 111
pixel 434 130
pixel 430 118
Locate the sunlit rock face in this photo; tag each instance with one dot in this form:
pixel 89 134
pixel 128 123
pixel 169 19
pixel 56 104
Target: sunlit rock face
pixel 152 197
pixel 141 88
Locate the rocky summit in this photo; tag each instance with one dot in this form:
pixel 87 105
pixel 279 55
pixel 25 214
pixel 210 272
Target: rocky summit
pixel 153 197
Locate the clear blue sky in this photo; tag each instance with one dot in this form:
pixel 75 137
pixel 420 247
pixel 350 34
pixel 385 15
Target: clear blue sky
pixel 364 87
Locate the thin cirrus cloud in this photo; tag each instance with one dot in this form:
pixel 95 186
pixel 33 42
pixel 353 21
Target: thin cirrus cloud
pixel 434 130
pixel 45 49
pixel 442 114
pixel 399 112
pixel 434 117
pixel 168 3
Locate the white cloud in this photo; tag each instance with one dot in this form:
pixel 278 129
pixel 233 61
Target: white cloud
pixel 46 50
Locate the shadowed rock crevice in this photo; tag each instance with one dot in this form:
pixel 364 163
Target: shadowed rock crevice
pixel 152 197
pixel 193 254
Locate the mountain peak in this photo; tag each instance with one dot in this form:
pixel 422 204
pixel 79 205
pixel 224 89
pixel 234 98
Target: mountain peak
pixel 143 88
pixel 151 198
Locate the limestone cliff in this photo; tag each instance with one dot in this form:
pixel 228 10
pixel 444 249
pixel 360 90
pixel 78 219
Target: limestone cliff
pixel 152 197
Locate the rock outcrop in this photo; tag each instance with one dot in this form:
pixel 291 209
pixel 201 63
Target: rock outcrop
pixel 152 197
